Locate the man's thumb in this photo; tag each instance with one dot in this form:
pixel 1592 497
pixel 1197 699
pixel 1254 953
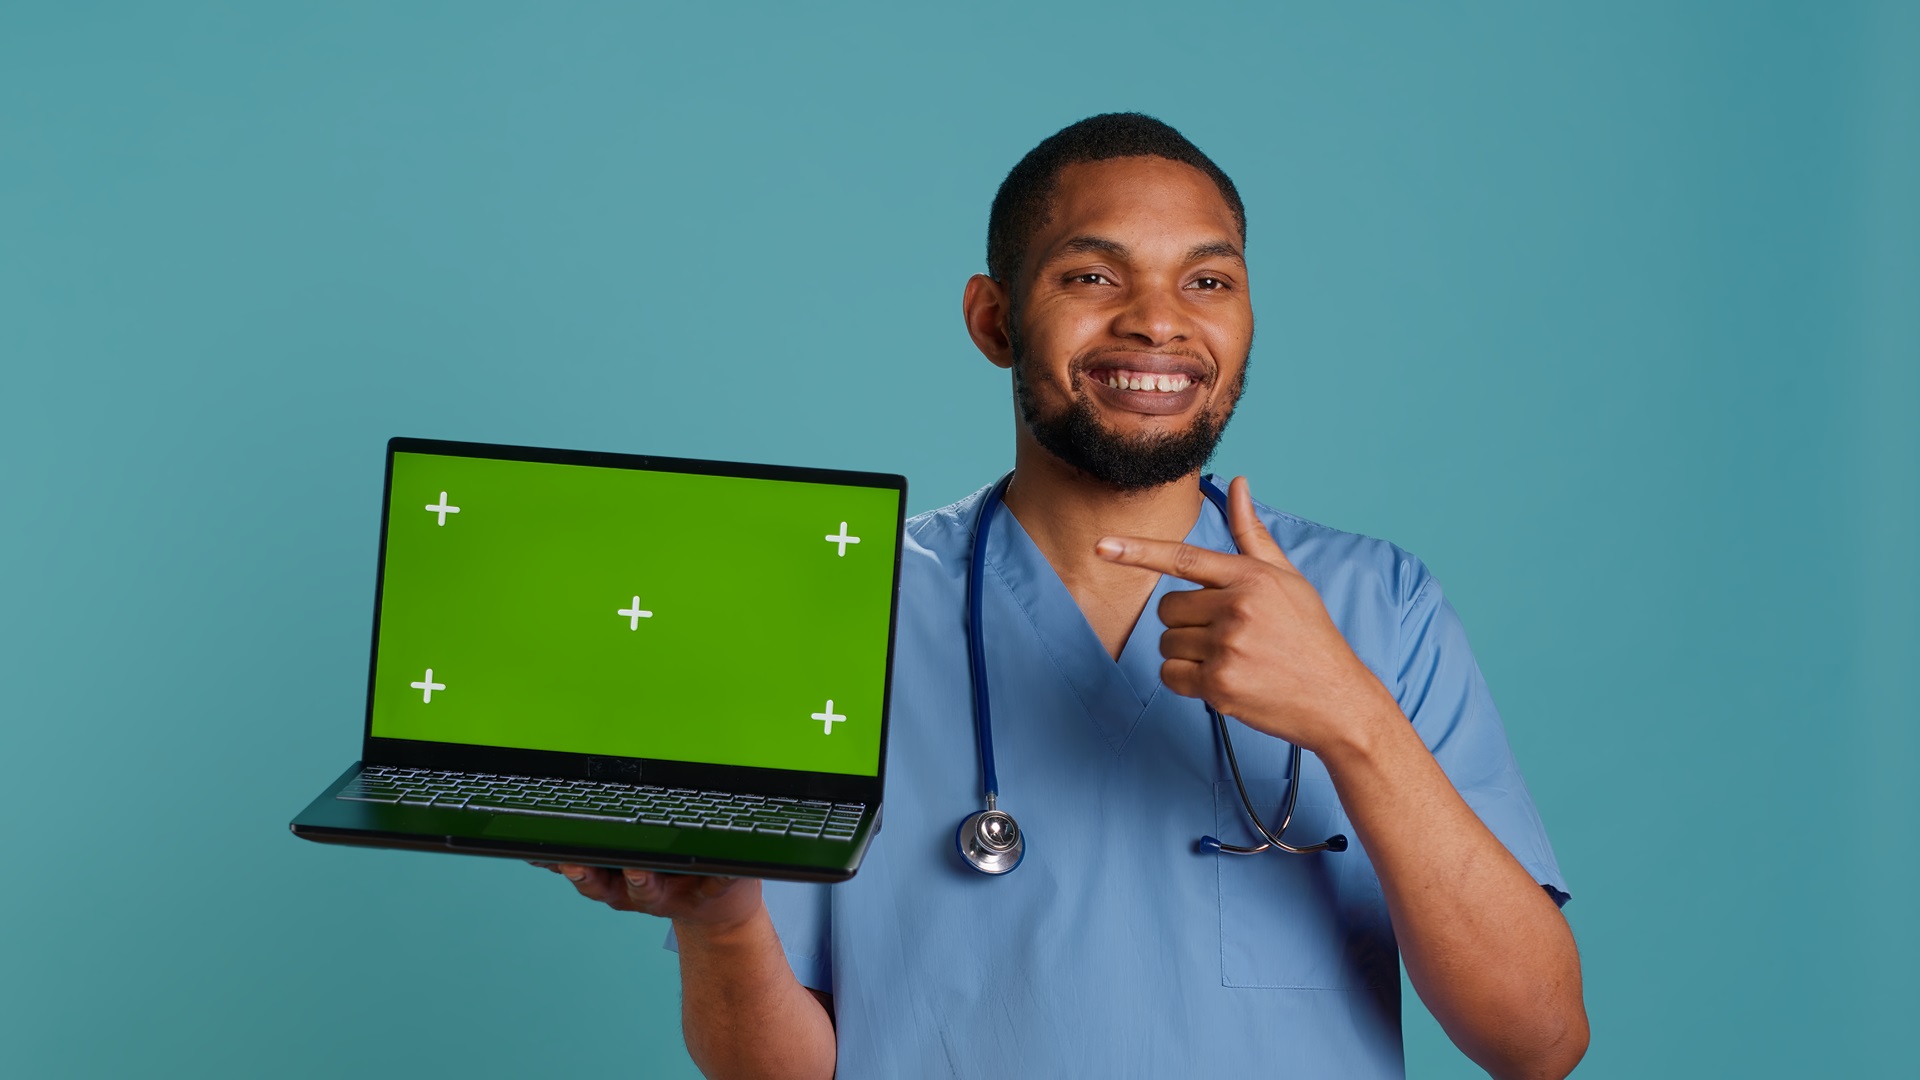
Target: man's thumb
pixel 1249 532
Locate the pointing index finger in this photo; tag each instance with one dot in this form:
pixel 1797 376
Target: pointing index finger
pixel 1184 561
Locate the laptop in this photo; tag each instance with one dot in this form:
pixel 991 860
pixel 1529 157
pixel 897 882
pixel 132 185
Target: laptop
pixel 624 660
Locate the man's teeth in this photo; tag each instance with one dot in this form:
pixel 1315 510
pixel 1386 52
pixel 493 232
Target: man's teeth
pixel 1134 380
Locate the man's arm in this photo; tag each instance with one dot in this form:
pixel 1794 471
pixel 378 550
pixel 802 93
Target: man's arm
pixel 743 1013
pixel 1485 947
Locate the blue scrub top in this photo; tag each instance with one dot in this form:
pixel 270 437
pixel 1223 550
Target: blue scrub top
pixel 1117 948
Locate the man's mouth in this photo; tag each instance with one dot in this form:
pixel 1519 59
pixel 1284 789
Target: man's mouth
pixel 1165 392
pixel 1120 379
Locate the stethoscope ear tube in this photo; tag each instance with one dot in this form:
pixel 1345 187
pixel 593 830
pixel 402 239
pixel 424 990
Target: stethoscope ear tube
pixel 1336 842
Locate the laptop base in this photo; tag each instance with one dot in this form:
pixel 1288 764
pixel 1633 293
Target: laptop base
pixel 542 838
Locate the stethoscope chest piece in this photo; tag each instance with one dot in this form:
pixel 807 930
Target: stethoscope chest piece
pixel 990 841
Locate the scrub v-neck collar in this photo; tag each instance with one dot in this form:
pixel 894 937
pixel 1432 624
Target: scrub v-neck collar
pixel 1115 693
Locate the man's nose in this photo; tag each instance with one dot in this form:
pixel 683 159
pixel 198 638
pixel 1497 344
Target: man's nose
pixel 1152 315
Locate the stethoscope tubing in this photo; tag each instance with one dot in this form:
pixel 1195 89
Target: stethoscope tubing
pixel 983 717
pixel 976 646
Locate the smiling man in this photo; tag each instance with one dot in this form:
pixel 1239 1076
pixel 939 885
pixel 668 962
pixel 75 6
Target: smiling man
pixel 1117 601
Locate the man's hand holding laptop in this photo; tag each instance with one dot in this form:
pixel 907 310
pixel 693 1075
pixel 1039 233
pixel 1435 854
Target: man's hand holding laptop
pixel 743 1012
pixel 702 900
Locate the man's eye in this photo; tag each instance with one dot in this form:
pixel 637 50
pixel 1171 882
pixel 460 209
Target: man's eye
pixel 1091 278
pixel 1209 284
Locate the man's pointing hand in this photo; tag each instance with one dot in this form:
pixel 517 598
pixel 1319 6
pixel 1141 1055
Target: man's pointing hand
pixel 1255 640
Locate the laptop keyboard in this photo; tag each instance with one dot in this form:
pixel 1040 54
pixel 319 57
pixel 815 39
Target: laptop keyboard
pixel 637 803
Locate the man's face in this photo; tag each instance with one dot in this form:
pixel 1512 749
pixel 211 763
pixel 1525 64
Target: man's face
pixel 1131 334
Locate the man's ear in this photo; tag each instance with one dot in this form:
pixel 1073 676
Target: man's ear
pixel 987 309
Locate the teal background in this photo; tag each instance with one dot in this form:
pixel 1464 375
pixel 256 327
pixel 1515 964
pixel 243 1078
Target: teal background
pixel 1607 312
pixel 756 621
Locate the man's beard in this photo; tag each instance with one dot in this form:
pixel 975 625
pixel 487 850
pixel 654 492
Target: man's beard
pixel 1076 436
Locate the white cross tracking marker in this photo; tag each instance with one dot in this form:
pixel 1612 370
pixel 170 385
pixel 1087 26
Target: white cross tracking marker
pixel 429 686
pixel 828 719
pixel 442 508
pixel 843 539
pixel 634 614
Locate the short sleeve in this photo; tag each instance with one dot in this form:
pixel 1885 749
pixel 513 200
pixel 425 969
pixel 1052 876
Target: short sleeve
pixel 1440 688
pixel 801 916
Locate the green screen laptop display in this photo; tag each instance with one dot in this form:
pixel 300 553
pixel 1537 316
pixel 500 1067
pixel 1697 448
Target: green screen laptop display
pixel 612 611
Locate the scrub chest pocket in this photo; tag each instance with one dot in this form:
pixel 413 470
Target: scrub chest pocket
pixel 1299 922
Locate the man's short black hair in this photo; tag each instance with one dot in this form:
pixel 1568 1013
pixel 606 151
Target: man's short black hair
pixel 1025 199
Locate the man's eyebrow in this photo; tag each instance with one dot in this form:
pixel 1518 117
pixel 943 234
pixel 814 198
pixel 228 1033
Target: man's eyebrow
pixel 1093 245
pixel 1215 249
pixel 1100 245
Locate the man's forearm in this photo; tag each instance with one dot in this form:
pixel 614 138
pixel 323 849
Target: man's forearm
pixel 1485 947
pixel 743 1013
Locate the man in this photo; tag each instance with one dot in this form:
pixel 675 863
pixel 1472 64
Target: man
pixel 1116 602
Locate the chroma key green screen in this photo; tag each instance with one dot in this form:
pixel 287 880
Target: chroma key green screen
pixel 643 614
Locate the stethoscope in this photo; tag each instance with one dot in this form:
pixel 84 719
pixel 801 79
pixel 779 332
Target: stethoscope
pixel 990 840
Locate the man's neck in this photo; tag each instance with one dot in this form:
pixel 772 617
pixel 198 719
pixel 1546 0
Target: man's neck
pixel 1066 513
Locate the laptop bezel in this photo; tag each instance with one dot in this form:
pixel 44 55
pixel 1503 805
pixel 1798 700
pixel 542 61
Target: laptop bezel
pixel 469 757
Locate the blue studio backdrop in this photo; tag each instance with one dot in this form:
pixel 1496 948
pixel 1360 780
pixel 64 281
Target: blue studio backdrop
pixel 1608 313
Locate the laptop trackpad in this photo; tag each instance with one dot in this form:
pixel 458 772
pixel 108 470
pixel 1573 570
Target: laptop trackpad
pixel 620 837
